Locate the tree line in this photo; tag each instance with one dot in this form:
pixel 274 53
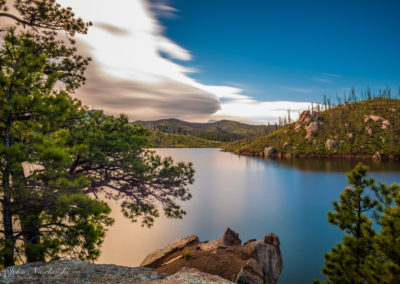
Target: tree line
pixel 59 161
pixel 351 97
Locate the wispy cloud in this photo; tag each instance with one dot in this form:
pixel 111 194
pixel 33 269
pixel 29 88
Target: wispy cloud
pixel 298 90
pixel 135 67
pixel 323 80
pixel 332 75
pixel 260 111
pixel 163 8
pixel 112 29
pixel 137 70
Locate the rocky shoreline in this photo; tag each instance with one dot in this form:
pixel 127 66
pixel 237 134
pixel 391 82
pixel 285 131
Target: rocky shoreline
pixel 185 260
pixel 279 155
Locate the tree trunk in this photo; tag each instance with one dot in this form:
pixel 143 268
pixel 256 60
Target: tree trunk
pixel 33 252
pixel 9 245
pixel 31 232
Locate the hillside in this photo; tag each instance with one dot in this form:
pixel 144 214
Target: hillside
pixel 369 128
pixel 166 140
pixel 224 130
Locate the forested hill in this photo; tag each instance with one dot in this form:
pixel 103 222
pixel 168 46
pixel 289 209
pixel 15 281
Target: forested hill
pixel 221 131
pixel 364 128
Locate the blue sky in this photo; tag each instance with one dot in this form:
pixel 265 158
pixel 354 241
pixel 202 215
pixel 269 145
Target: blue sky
pixel 292 50
pixel 250 61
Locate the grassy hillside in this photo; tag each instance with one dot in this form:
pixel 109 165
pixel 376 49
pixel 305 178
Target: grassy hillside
pixel 361 128
pixel 166 140
pixel 224 130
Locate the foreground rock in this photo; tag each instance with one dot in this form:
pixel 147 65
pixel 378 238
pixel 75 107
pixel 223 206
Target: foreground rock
pixel 75 271
pixel 157 256
pixel 192 275
pixel 254 262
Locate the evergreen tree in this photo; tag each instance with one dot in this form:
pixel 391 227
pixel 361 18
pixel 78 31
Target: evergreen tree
pixel 387 241
pixel 72 154
pixel 365 256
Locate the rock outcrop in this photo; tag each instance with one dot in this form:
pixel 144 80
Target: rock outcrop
pixel 76 271
pixel 251 272
pixel 385 124
pixel 377 156
pixel 330 144
pixel 230 238
pixel 269 152
pixel 257 262
pixel 312 129
pixel 311 122
pixel 158 256
pixel 192 275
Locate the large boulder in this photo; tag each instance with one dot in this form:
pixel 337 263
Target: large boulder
pixel 269 152
pixel 375 117
pixel 385 124
pixel 304 117
pixel 297 127
pixel 230 238
pixel 269 257
pixel 250 273
pixel 312 129
pixel 254 262
pixel 193 276
pixel 158 256
pixel 271 239
pixel 76 271
pixel 377 156
pixel 314 116
pixel 330 144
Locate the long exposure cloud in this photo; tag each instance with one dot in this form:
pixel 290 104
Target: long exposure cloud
pixel 136 70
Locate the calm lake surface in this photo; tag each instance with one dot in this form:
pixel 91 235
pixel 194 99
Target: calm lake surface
pixel 253 197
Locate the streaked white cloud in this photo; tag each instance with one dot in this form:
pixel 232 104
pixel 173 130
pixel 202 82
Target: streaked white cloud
pixel 323 80
pixel 136 69
pixel 298 90
pixel 248 109
pixel 332 75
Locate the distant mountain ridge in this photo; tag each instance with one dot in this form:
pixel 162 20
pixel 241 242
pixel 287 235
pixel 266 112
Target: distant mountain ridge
pixel 222 131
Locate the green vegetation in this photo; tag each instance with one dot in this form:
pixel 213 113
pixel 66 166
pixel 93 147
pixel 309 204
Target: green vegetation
pixel 57 158
pixel 186 255
pixel 178 133
pixel 349 125
pixel 369 214
pixel 166 140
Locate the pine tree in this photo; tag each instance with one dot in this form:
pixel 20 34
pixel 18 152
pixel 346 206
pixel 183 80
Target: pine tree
pixel 73 155
pixel 347 263
pixel 365 256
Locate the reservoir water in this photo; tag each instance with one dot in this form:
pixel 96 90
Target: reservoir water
pixel 253 197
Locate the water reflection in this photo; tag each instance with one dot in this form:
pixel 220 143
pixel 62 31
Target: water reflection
pixel 338 165
pixel 254 197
